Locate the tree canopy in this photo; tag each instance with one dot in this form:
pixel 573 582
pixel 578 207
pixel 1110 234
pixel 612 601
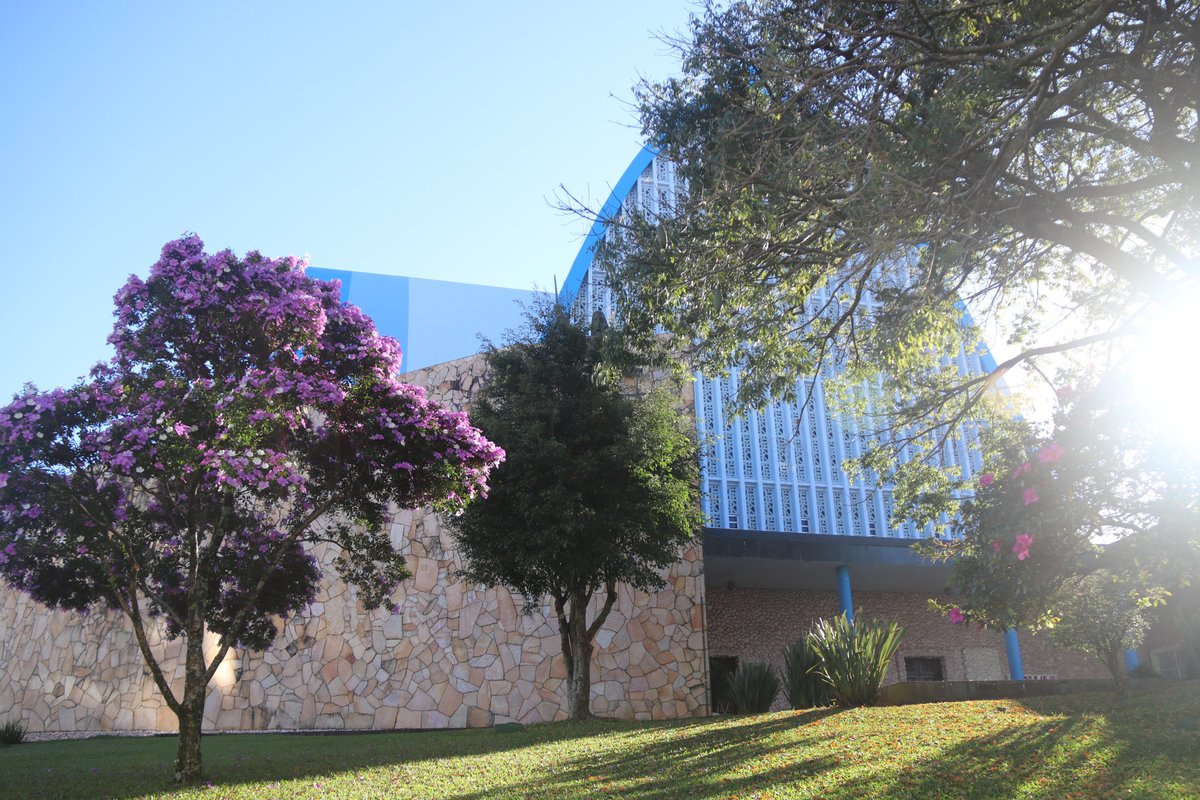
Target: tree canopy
pixel 1103 617
pixel 598 489
pixel 246 416
pixel 858 174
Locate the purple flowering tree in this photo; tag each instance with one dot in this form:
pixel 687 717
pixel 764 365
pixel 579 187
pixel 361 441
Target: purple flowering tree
pixel 246 416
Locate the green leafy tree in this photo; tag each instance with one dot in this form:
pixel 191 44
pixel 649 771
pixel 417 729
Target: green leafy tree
pixel 598 488
pixel 1102 616
pixel 857 171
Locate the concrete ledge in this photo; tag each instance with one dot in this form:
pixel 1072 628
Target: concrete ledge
pixel 910 692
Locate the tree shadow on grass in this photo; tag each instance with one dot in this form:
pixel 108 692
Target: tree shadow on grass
pixel 712 758
pixel 119 767
pixel 1054 748
pixel 1057 748
pixel 1082 747
pixel 125 767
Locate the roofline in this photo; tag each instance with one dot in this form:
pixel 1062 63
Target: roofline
pixel 608 212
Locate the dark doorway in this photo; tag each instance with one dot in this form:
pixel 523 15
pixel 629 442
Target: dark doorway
pixel 720 670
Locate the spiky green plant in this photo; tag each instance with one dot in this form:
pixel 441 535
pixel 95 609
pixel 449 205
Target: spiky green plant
pixel 754 687
pixel 12 733
pixel 803 684
pixel 855 656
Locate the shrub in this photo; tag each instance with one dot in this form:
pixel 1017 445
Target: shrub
pixel 803 684
pixel 754 687
pixel 855 656
pixel 12 733
pixel 1143 670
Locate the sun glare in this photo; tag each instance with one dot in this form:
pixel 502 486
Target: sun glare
pixel 1166 381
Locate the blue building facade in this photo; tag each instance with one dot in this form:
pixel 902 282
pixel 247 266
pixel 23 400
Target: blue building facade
pixel 778 468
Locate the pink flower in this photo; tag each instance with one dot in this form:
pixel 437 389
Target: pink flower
pixel 1030 495
pixel 987 479
pixel 996 546
pixel 1021 548
pixel 182 430
pixel 1051 453
pixel 1021 470
pixel 957 616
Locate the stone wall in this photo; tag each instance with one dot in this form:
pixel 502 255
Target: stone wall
pixel 455 655
pixel 756 624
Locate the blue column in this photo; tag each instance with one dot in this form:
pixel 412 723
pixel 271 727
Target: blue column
pixel 1132 661
pixel 1016 671
pixel 843 584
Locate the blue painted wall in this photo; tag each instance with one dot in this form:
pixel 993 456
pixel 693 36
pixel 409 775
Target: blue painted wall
pixel 434 321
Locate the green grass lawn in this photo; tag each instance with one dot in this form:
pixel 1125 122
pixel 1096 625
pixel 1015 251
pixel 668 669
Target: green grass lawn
pixel 1085 746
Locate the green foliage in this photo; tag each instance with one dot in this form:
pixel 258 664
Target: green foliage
pixel 855 171
pixel 12 733
pixel 855 656
pixel 803 684
pixel 754 687
pixel 1102 616
pixel 597 489
pixel 597 486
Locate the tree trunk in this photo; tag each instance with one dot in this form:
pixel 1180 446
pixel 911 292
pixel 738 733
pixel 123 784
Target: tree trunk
pixel 1112 660
pixel 191 713
pixel 579 677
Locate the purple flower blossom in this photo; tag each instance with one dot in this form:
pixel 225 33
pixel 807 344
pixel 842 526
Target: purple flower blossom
pixel 128 417
pixel 1051 453
pixel 1021 547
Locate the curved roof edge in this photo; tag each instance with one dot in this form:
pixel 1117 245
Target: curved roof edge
pixel 587 252
pixel 583 261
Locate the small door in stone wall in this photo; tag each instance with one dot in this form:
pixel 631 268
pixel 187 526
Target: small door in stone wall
pixel 982 664
pixel 720 670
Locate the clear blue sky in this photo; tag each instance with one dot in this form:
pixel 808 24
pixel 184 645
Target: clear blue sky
pixel 395 137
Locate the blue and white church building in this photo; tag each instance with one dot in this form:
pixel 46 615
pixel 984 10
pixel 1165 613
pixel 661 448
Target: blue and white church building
pixel 791 536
